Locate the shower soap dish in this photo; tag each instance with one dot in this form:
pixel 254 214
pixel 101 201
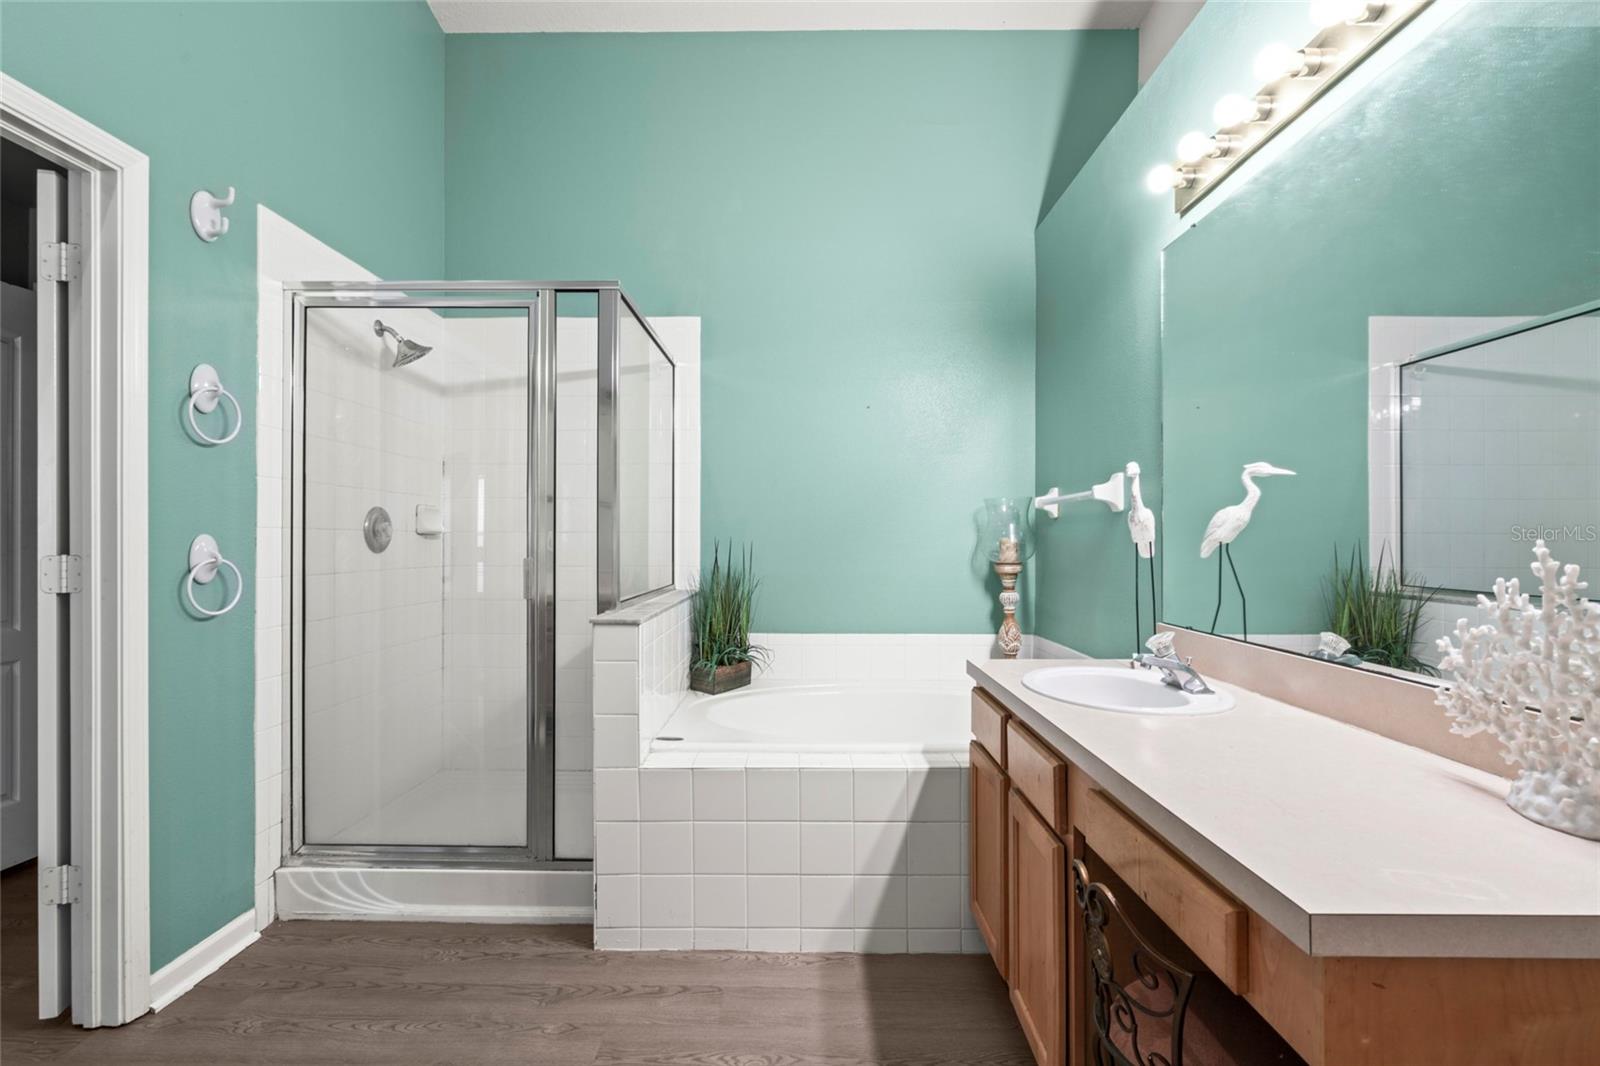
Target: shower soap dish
pixel 430 520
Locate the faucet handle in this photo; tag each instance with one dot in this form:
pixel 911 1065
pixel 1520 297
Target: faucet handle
pixel 1160 644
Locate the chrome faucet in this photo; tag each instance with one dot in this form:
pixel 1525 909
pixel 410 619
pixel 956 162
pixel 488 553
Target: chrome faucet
pixel 1175 671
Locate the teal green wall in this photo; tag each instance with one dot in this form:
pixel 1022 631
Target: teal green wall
pixel 1099 321
pixel 332 115
pixel 1463 181
pixel 852 216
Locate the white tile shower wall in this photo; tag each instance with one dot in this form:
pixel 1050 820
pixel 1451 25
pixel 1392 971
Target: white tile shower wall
pixel 769 852
pixel 374 641
pixel 484 505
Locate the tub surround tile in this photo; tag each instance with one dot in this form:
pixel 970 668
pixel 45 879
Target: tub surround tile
pixel 784 851
pixel 826 848
pixel 826 795
pixel 616 939
pixel 616 795
pixel 880 847
pixel 774 940
pixel 934 902
pixel 666 795
pixel 666 902
pixel 881 903
pixel 827 903
pixel 933 941
pixel 616 847
pixel 666 939
pixel 616 901
pixel 827 940
pixel 935 848
pixel 719 901
pixel 880 795
pixel 773 902
pixel 719 847
pixel 880 941
pixel 718 794
pixel 772 847
pixel 720 939
pixel 772 795
pixel 666 848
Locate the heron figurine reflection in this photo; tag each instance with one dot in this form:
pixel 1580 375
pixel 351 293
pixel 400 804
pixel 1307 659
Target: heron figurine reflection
pixel 1225 527
pixel 1142 528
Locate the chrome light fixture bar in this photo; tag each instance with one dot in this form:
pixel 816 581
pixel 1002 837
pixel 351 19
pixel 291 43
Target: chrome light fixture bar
pixel 1292 80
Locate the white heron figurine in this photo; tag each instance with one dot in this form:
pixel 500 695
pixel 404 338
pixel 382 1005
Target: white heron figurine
pixel 1225 527
pixel 1142 528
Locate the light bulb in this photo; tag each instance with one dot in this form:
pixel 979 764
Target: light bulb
pixel 1164 178
pixel 1278 60
pixel 1236 110
pixel 1326 13
pixel 1195 146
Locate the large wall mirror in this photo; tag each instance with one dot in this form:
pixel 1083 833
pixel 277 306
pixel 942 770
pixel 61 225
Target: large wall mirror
pixel 1401 309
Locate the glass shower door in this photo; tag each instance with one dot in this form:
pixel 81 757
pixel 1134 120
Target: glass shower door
pixel 415 472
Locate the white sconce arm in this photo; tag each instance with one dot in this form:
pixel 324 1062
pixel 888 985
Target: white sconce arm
pixel 1109 492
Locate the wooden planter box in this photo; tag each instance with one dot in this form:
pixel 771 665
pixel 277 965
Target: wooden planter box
pixel 722 679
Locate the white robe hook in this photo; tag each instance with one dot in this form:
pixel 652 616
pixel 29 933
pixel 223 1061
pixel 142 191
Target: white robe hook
pixel 205 214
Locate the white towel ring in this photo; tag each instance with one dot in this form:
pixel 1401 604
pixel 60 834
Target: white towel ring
pixel 205 392
pixel 205 560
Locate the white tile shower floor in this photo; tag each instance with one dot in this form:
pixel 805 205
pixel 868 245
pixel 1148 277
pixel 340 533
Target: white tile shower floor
pixel 485 808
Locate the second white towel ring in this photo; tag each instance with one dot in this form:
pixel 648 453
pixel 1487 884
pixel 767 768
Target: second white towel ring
pixel 205 559
pixel 205 393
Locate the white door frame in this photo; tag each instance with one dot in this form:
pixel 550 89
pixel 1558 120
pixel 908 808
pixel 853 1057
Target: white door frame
pixel 108 492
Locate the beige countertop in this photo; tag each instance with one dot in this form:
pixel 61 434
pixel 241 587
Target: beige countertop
pixel 1347 842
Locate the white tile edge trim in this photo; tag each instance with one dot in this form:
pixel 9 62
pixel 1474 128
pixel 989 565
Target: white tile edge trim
pixel 202 960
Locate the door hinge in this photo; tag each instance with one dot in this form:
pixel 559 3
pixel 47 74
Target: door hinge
pixel 61 261
pixel 60 885
pixel 61 574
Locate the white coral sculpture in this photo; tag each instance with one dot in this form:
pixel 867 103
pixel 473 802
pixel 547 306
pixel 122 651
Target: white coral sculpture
pixel 1532 679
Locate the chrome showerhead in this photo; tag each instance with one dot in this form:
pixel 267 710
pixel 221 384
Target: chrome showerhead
pixel 405 351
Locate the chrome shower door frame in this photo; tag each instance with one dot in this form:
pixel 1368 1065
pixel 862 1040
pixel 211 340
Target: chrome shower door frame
pixel 538 301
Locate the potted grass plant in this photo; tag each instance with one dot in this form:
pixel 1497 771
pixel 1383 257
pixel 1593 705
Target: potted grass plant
pixel 722 656
pixel 1379 611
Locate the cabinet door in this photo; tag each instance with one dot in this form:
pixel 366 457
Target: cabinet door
pixel 1038 883
pixel 987 835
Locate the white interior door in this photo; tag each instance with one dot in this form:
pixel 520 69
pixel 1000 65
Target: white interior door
pixel 19 786
pixel 55 850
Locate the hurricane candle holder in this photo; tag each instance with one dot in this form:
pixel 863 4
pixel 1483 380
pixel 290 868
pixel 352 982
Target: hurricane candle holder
pixel 1005 536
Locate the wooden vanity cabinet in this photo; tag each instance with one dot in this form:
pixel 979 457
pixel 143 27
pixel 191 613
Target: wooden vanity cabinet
pixel 987 839
pixel 1018 886
pixel 1038 941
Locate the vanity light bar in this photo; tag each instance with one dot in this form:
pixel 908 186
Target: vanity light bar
pixel 1294 78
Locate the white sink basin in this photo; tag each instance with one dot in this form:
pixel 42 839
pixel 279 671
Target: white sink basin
pixel 1121 689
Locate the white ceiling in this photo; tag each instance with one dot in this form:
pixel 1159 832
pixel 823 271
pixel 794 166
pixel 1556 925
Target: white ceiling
pixel 682 16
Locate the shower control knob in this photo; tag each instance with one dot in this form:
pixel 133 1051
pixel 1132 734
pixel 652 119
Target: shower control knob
pixel 378 529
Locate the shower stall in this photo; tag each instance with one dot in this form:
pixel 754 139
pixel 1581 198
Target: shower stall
pixel 478 468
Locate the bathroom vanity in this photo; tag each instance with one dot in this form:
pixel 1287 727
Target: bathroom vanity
pixel 1373 902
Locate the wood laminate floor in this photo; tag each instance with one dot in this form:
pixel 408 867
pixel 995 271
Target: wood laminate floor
pixel 423 992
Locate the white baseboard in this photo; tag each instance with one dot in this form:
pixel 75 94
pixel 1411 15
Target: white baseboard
pixel 202 960
pixel 1037 647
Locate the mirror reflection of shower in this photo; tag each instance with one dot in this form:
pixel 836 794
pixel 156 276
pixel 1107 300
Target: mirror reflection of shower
pixel 405 351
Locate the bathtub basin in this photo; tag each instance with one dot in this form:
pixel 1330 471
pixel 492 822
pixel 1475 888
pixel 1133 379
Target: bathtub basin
pixel 929 717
